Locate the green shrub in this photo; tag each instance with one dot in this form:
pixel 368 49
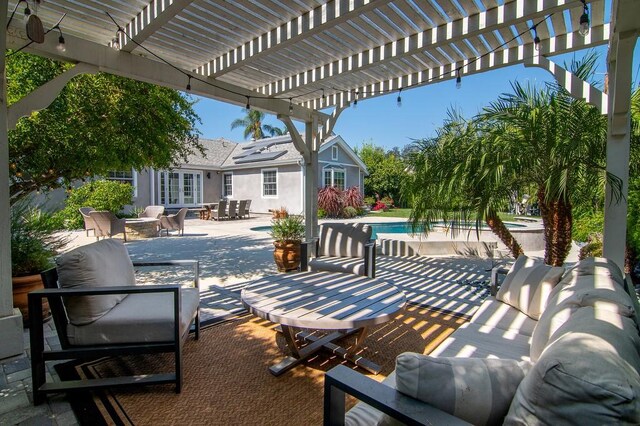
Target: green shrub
pixel 321 214
pixel 370 201
pixel 349 212
pixel 633 216
pixel 588 226
pixel 288 228
pixel 592 249
pixel 387 201
pixel 101 195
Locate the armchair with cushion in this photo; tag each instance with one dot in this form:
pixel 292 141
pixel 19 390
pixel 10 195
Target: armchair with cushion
pixel 99 311
pixel 107 224
pixel 89 225
pixel 173 222
pixel 153 212
pixel 342 247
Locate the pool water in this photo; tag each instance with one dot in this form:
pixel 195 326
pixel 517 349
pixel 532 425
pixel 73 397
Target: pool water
pixel 400 227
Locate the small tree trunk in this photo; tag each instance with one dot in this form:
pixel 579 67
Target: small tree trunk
pixel 557 220
pixel 502 232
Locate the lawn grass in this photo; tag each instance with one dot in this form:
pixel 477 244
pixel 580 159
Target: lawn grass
pixel 403 213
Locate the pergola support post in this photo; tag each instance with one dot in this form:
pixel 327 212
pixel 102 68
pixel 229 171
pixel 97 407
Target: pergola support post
pixel 10 318
pixel 620 63
pixel 311 181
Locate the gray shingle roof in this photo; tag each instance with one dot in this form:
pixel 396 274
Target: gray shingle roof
pixel 216 152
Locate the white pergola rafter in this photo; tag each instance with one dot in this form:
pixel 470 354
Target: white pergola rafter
pixel 506 57
pixel 149 20
pixel 478 24
pixel 331 13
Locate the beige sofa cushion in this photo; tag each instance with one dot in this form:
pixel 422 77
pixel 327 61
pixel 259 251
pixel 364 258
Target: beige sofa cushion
pixel 597 266
pixel 588 373
pixel 528 284
pixel 365 415
pixel 138 318
pixel 473 389
pixel 494 313
pixel 343 239
pixel 101 264
pixel 348 265
pixel 575 291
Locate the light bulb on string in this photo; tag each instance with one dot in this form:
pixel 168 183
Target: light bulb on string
pixel 27 13
pixel 536 39
pixel 458 79
pixel 189 84
pixel 115 43
pixel 355 101
pixel 399 100
pixel 248 106
pixel 585 24
pixel 290 105
pixel 61 47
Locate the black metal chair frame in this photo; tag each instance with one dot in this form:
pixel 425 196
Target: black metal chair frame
pixel 54 294
pixel 369 256
pixel 342 380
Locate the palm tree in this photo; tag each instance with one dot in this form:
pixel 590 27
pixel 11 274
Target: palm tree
pixel 555 142
pixel 253 126
pixel 449 181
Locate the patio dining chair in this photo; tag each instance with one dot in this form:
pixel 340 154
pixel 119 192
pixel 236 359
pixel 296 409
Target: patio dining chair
pixel 232 211
pixel 99 311
pixel 107 224
pixel 246 209
pixel 89 225
pixel 174 222
pixel 242 205
pixel 153 212
pixel 219 212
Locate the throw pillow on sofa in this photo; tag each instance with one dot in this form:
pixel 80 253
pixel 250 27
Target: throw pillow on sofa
pixel 589 373
pixel 474 389
pixel 528 285
pixel 102 264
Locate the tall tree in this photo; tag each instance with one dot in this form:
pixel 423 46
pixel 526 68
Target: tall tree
pixel 254 127
pixel 96 124
pixel 386 171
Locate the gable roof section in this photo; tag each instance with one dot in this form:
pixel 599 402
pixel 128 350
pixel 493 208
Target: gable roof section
pixel 337 140
pixel 216 151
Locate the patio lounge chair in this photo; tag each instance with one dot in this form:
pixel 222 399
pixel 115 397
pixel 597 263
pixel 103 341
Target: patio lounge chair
pixel 219 212
pixel 342 247
pixel 107 224
pixel 89 225
pixel 99 311
pixel 232 212
pixel 153 212
pixel 173 222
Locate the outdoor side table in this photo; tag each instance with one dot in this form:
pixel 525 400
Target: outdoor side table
pixel 345 304
pixel 142 227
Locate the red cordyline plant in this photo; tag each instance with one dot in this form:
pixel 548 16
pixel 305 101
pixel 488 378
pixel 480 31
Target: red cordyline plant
pixel 330 200
pixel 353 198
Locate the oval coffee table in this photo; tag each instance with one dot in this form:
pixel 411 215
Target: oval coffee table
pixel 345 303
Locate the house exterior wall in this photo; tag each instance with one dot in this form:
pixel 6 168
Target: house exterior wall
pixel 247 184
pixel 352 170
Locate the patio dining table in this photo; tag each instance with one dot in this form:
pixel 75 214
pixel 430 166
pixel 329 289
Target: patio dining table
pixel 342 304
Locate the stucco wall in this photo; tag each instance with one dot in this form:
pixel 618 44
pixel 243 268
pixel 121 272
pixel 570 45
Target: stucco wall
pixel 247 184
pixel 352 171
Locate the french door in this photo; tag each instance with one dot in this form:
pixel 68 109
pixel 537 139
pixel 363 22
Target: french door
pixel 180 188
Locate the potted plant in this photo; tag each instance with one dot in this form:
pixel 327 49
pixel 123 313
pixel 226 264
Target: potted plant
pixel 34 242
pixel 287 231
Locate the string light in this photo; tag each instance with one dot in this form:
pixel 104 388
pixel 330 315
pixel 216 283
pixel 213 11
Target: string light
pixel 290 105
pixel 585 24
pixel 399 100
pixel 27 13
pixel 458 79
pixel 115 43
pixel 355 101
pixel 189 84
pixel 323 96
pixel 61 45
pixel 536 39
pixel 248 106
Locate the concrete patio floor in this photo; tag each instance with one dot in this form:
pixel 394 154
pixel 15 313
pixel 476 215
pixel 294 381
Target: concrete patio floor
pixel 230 254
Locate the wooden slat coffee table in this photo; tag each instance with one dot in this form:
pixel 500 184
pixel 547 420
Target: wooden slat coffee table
pixel 345 303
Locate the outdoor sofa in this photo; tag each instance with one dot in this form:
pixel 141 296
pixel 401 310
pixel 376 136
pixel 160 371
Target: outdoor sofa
pixel 552 347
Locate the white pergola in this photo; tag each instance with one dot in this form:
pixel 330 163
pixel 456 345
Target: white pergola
pixel 307 60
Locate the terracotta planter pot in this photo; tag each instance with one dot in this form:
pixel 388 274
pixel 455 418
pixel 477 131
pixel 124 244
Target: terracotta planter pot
pixel 286 255
pixel 21 287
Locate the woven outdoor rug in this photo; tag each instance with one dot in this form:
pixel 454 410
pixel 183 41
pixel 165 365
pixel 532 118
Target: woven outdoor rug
pixel 226 377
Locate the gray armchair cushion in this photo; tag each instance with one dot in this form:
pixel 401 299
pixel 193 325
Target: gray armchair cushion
pixel 138 318
pixel 101 264
pixel 350 265
pixel 474 389
pixel 343 239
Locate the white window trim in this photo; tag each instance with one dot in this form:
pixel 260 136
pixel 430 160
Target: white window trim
pixel 223 185
pixel 180 172
pixel 271 169
pixel 333 168
pixel 334 153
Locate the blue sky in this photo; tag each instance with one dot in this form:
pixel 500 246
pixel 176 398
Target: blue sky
pixel 381 122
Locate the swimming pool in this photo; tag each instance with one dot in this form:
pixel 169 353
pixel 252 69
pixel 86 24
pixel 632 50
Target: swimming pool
pixel 399 227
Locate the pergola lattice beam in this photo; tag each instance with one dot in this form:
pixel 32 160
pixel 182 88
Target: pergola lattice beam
pixel 509 56
pixel 512 13
pixel 331 13
pixel 149 20
pixel 578 88
pixel 139 68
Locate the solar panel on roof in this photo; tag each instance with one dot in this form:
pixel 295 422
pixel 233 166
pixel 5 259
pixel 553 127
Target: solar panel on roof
pixel 264 156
